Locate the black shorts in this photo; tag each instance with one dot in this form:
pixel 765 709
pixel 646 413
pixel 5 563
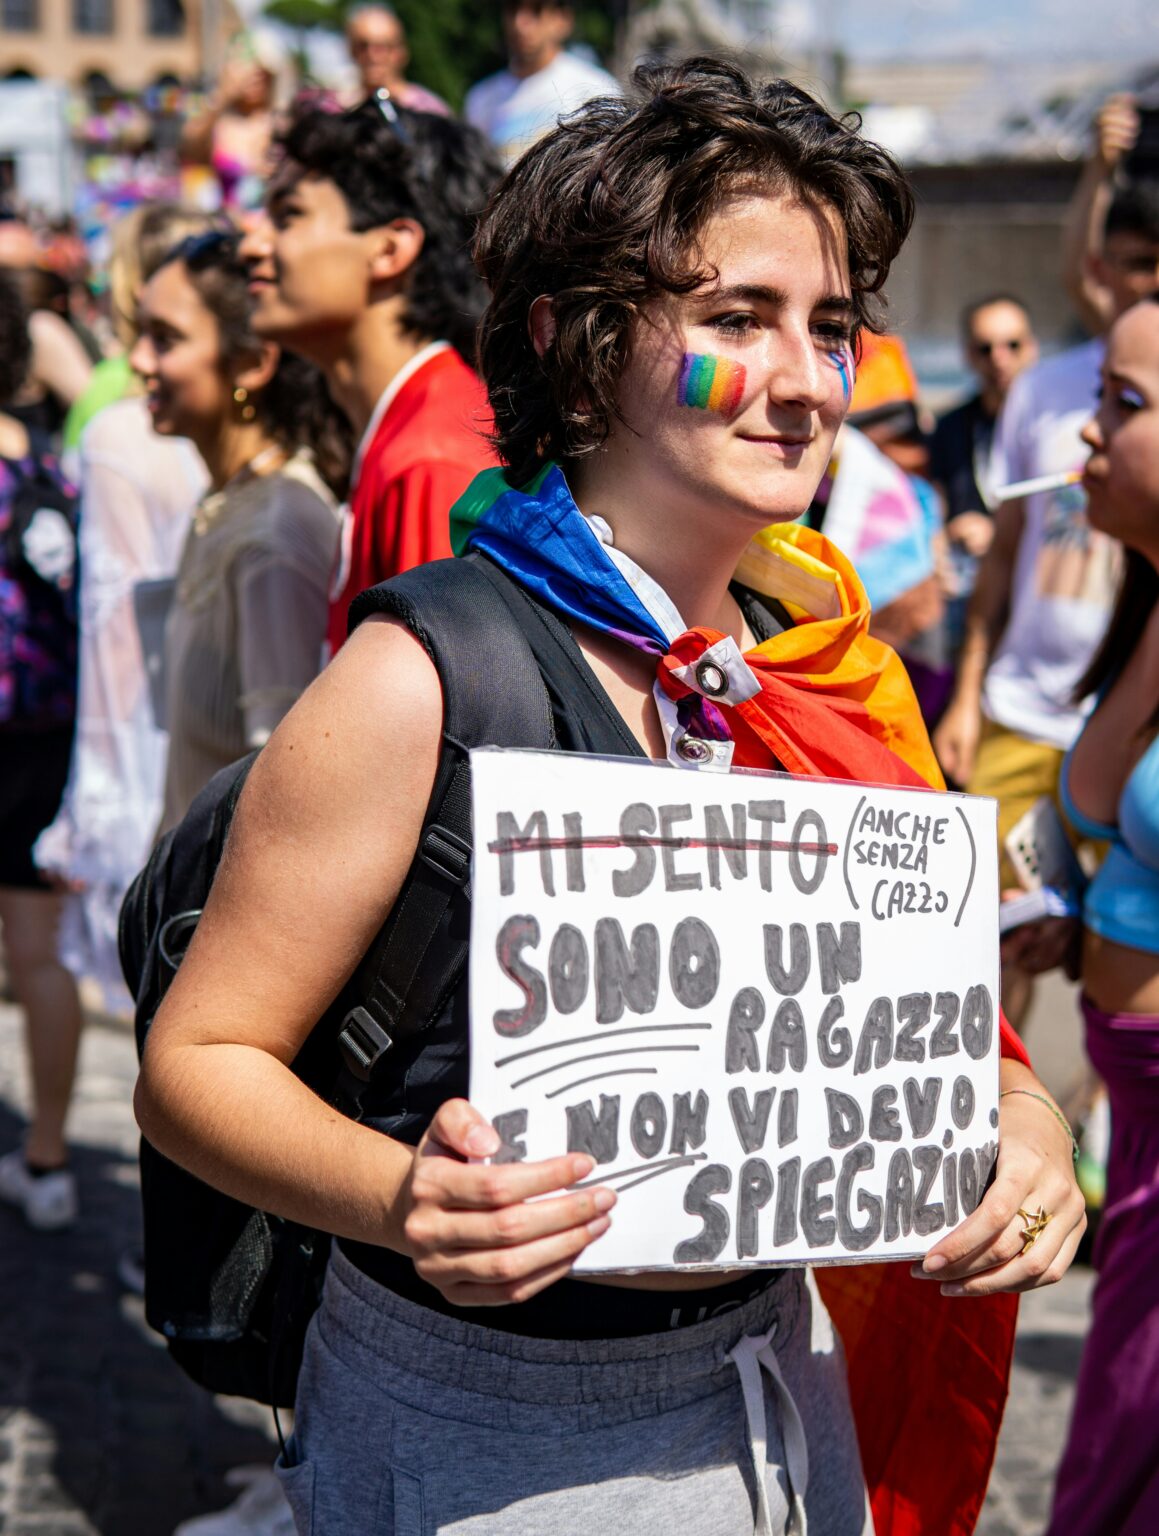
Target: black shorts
pixel 33 773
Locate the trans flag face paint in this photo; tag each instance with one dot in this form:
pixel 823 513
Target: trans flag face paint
pixel 843 362
pixel 710 383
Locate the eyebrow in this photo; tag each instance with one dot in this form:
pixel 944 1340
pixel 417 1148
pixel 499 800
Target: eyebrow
pixel 1113 376
pixel 775 298
pixel 284 184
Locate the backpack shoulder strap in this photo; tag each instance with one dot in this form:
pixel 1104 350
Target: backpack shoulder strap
pixel 467 615
pixel 472 621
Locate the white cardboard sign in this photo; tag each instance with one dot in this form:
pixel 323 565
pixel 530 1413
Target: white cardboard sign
pixel 767 1006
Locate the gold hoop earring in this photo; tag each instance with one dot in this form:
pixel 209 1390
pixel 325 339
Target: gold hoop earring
pixel 245 405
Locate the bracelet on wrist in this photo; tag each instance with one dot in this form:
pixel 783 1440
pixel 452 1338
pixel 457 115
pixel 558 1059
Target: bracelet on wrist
pixel 1055 1111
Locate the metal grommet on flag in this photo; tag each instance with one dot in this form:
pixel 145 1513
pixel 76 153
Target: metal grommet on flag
pixel 712 680
pixel 688 751
pixel 720 673
pixel 692 750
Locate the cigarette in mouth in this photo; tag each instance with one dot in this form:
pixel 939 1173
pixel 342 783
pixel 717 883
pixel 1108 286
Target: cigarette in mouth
pixel 1041 483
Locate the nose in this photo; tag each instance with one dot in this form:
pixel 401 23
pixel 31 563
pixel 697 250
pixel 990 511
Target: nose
pixel 1092 434
pixel 142 358
pixel 257 241
pixel 799 375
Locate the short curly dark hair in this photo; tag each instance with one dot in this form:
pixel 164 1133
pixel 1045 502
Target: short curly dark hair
pixel 15 346
pixel 422 166
pixel 603 214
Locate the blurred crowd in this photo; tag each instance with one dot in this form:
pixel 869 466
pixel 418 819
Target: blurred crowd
pixel 274 406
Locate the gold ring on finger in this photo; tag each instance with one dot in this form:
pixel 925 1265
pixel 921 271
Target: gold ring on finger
pixel 1036 1225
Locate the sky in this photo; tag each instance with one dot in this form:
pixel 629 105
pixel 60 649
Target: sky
pixel 1059 29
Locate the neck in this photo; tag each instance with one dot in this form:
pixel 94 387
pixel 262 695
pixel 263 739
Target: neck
pixel 523 69
pixel 992 402
pixel 228 448
pixel 371 356
pixel 693 570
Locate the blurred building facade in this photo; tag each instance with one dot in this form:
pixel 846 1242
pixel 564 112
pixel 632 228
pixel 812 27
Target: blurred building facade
pixel 128 45
pixel 994 148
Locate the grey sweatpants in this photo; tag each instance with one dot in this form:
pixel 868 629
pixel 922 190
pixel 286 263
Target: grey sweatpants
pixel 409 1423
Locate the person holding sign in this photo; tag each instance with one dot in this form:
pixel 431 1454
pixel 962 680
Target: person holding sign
pixel 1108 1478
pixel 678 285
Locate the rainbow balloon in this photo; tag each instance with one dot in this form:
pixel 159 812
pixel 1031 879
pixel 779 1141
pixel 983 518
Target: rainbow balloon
pixel 710 383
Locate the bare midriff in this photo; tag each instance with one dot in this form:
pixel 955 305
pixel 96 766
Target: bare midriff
pixel 1119 979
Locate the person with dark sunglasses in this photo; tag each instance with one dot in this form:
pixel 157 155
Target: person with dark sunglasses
pixel 1046 589
pixel 998 342
pixel 378 48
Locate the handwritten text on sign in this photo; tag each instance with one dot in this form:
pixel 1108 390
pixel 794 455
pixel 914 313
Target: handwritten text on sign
pixel 767 1006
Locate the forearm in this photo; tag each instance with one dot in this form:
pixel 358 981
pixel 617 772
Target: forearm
pixel 59 362
pixel 989 605
pixel 1020 1090
pixel 973 660
pixel 240 1120
pixel 197 135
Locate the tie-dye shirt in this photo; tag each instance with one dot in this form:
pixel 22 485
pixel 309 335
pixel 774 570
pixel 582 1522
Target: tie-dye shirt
pixel 38 631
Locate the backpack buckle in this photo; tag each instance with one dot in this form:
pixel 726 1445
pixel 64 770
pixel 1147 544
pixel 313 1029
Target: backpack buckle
pixel 363 1043
pixel 176 935
pixel 447 854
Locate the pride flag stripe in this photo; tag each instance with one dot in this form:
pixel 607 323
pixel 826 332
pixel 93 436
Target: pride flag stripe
pixel 710 383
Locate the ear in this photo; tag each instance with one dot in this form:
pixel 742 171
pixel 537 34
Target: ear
pixel 395 249
pixel 258 373
pixel 541 324
pixel 1095 269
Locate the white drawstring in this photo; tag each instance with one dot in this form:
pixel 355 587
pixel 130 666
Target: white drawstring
pixel 748 1357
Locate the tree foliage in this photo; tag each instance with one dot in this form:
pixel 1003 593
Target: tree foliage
pixel 453 43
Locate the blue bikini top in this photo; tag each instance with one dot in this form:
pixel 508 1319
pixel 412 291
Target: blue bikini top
pixel 1122 901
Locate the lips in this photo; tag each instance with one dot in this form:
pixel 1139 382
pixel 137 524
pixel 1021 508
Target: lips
pixel 787 443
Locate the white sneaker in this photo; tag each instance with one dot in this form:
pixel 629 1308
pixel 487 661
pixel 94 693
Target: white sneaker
pixel 49 1202
pixel 260 1511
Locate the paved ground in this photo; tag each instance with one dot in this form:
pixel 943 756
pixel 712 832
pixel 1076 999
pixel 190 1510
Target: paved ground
pixel 101 1436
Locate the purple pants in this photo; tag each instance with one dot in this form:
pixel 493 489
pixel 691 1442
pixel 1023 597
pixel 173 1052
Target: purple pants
pixel 1108 1480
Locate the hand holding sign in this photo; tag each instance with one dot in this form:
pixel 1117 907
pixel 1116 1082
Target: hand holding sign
pixel 988 1252
pixel 485 1236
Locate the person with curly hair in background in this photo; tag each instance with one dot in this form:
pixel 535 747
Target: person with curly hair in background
pixel 244 635
pixel 363 265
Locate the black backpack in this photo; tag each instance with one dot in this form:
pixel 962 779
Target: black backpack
pixel 232 1289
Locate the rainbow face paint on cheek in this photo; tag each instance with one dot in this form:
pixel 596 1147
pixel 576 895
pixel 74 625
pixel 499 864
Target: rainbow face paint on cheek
pixel 843 363
pixel 710 383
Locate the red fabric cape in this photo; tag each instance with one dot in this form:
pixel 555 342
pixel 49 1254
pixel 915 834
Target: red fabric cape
pixel 928 1374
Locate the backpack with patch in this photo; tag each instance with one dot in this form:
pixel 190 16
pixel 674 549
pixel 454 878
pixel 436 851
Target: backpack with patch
pixel 231 1288
pixel 38 591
